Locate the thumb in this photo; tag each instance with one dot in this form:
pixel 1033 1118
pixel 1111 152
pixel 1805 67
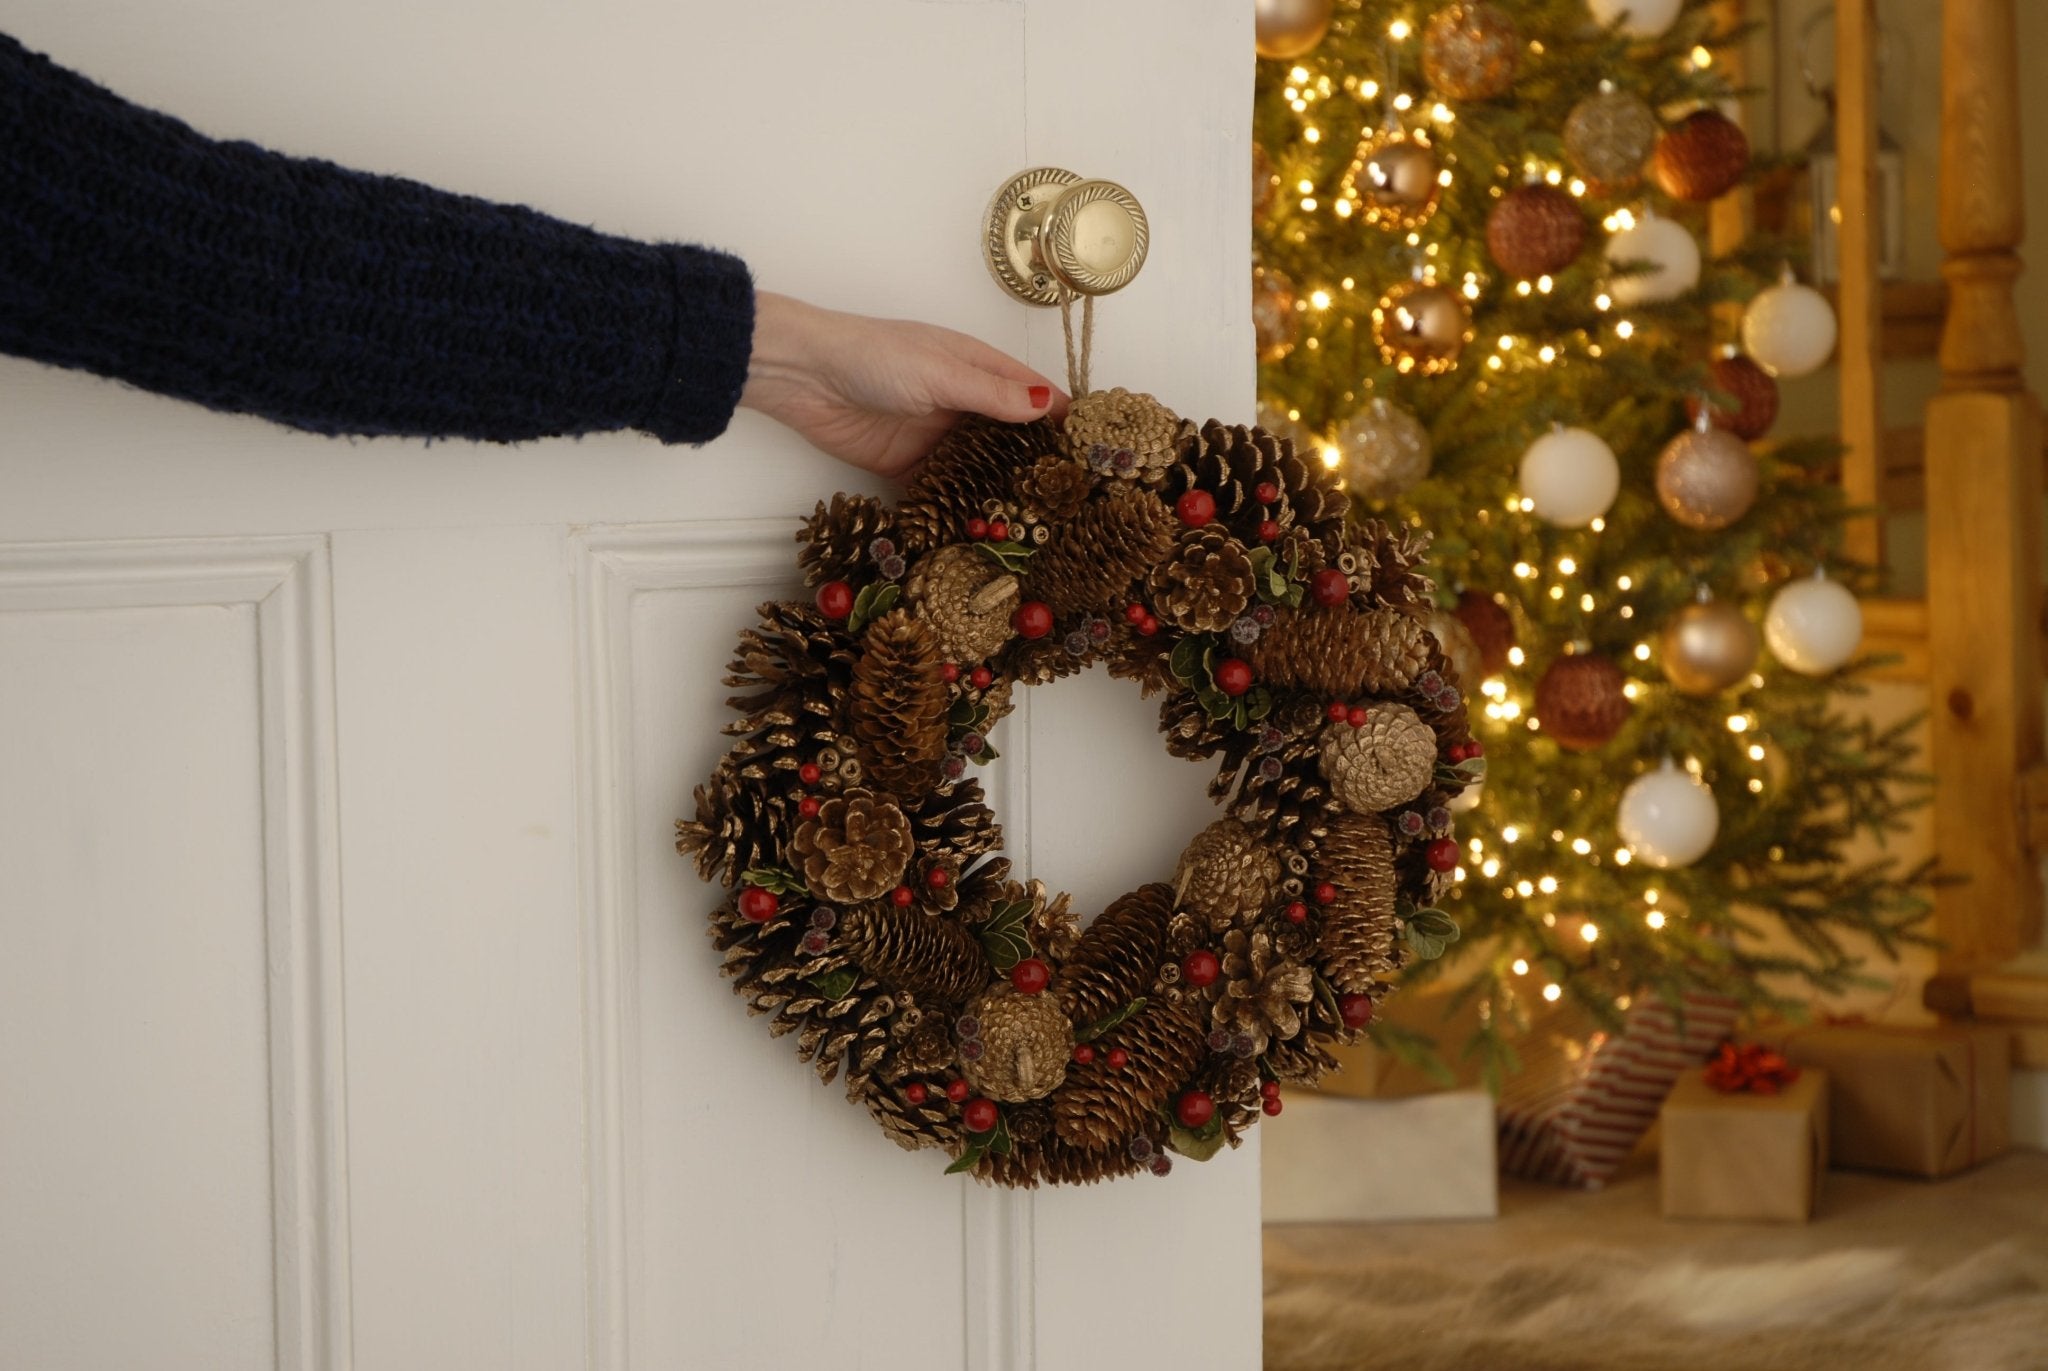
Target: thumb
pixel 1014 401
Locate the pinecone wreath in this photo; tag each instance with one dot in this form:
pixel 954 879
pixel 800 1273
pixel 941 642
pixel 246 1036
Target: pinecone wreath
pixel 866 912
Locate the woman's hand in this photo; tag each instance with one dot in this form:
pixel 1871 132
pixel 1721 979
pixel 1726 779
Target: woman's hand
pixel 880 393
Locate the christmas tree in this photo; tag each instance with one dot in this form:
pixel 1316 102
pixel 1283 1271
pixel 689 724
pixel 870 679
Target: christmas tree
pixel 1483 292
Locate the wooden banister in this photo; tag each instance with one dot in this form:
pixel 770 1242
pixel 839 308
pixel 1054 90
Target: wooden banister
pixel 1859 303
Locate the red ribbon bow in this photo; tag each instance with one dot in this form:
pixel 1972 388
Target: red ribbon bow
pixel 1751 1067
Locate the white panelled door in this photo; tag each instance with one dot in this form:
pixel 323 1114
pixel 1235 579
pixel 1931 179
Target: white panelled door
pixel 355 1009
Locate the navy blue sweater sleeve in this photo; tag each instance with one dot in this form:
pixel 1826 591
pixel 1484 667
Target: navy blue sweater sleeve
pixel 335 301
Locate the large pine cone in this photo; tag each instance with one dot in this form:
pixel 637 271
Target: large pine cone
pixel 1117 956
pixel 1100 1107
pixel 932 957
pixel 1341 653
pixel 899 704
pixel 1092 560
pixel 955 824
pixel 1231 463
pixel 1026 1042
pixel 1205 584
pixel 1387 762
pixel 740 824
pixel 1226 874
pixel 979 461
pixel 794 651
pixel 838 539
pixel 1122 434
pixel 967 599
pixel 1262 991
pixel 854 849
pixel 1359 926
pixel 1056 487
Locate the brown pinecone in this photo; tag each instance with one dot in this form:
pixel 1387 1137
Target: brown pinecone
pixel 1341 653
pixel 837 538
pixel 1301 1060
pixel 1387 762
pixel 1359 926
pixel 1204 584
pixel 924 1049
pixel 855 848
pixel 1056 487
pixel 1262 991
pixel 1231 463
pixel 1101 1107
pixel 1226 875
pixel 793 653
pixel 911 1126
pixel 1053 1162
pixel 1384 562
pixel 740 824
pixel 1025 1044
pixel 1288 803
pixel 979 461
pixel 1090 562
pixel 929 955
pixel 899 704
pixel 954 824
pixel 1235 1084
pixel 1114 962
pixel 966 598
pixel 1122 434
pixel 1040 661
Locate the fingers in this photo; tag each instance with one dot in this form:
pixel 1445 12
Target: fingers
pixel 1014 394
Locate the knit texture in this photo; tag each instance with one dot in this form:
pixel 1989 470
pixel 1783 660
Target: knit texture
pixel 336 301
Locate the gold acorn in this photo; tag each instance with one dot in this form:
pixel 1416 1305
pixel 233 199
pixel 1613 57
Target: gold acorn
pixel 967 599
pixel 1025 1043
pixel 1122 434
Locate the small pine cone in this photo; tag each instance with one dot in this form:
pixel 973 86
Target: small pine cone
pixel 1234 1083
pixel 932 957
pixel 928 1047
pixel 1262 991
pixel 1231 462
pixel 1386 561
pixel 740 824
pixel 1100 1108
pixel 1104 425
pixel 1040 661
pixel 954 825
pixel 1284 796
pixel 979 461
pixel 855 848
pixel 1026 1043
pixel 1226 875
pixel 1056 487
pixel 837 538
pixel 1053 1162
pixel 1205 583
pixel 1029 1123
pixel 1357 857
pixel 1301 1060
pixel 910 1126
pixel 1090 562
pixel 1340 653
pixel 899 704
pixel 1387 762
pixel 1114 961
pixel 967 599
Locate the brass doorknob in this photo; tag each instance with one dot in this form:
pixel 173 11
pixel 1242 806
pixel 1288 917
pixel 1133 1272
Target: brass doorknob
pixel 1048 228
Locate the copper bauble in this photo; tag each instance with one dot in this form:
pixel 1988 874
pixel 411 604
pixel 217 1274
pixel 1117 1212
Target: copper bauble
pixel 1469 50
pixel 1706 478
pixel 1491 626
pixel 1707 647
pixel 1702 156
pixel 1582 701
pixel 1608 136
pixel 1535 230
pixel 1394 179
pixel 1385 451
pixel 1289 28
pixel 1265 182
pixel 1755 395
pixel 1275 321
pixel 1421 328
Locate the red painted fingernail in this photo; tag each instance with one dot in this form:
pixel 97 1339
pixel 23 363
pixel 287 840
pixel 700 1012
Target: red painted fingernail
pixel 1041 396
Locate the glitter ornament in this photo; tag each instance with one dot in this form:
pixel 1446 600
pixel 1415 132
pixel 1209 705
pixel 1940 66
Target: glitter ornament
pixel 1702 156
pixel 1570 476
pixel 1668 817
pixel 1394 179
pixel 1421 327
pixel 1535 230
pixel 1582 701
pixel 1469 50
pixel 1706 477
pixel 1708 646
pixel 1608 136
pixel 1385 451
pixel 1274 319
pixel 1789 328
pixel 1667 247
pixel 1754 392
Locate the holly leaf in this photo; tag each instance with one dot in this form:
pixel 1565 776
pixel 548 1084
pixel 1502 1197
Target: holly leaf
pixel 873 601
pixel 1327 998
pixel 1214 702
pixel 1010 556
pixel 774 878
pixel 1189 662
pixel 986 755
pixel 1196 1144
pixel 1258 703
pixel 1006 934
pixel 1273 583
pixel 966 715
pixel 836 985
pixel 999 1136
pixel 1429 932
pixel 1102 1026
pixel 969 1159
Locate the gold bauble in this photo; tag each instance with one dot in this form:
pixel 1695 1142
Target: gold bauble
pixel 1469 50
pixel 1275 321
pixel 1706 478
pixel 1394 179
pixel 1421 327
pixel 1707 647
pixel 1290 28
pixel 1384 450
pixel 1608 137
pixel 1458 646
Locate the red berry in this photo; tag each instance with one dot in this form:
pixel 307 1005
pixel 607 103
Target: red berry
pixel 1325 893
pixel 957 1091
pixel 809 773
pixel 982 678
pixel 977 528
pixel 1442 854
pixel 998 531
pixel 1233 677
pixel 1357 716
pixel 1195 1108
pixel 1083 1054
pixel 901 896
pixel 979 1115
pixel 1201 967
pixel 835 599
pixel 1338 711
pixel 1356 1009
pixel 1195 508
pixel 1030 976
pixel 1270 1105
pixel 1118 1059
pixel 1473 749
pixel 1033 619
pixel 915 1093
pixel 1331 587
pixel 758 905
pixel 949 672
pixel 1148 626
pixel 1270 1090
pixel 1268 530
pixel 1134 613
pixel 938 878
pixel 1266 492
pixel 808 807
pixel 1297 913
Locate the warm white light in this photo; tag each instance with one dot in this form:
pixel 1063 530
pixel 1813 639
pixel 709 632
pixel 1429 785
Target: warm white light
pixel 1524 570
pixel 1622 856
pixel 1586 603
pixel 1320 299
pixel 1655 918
pixel 1650 897
pixel 1522 287
pixel 1581 846
pixel 1507 340
pixel 1577 187
pixel 1756 752
pixel 1642 652
pixel 1566 566
pixel 1298 76
pixel 1701 57
pixel 1525 889
pixel 1756 786
pixel 1312 134
pixel 1308 202
pixel 1304 186
pixel 1520 967
pixel 1738 723
pixel 1511 834
pixel 1630 690
pixel 1603 301
pixel 1442 113
pixel 1369 89
pixel 1404 101
pixel 1547 354
pixel 1398 30
pixel 1490 868
pixel 1331 457
pixel 1516 656
pixel 1625 329
pixel 1557 592
pixel 1551 993
pixel 1548 885
pixel 1624 582
pixel 1589 932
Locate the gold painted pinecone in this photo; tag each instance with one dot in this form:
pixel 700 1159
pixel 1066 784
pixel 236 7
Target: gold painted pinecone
pixel 1092 560
pixel 931 956
pixel 1026 1042
pixel 739 824
pixel 1386 762
pixel 837 537
pixel 1385 563
pixel 899 704
pixel 967 599
pixel 1104 425
pixel 955 825
pixel 1205 584
pixel 1359 926
pixel 978 461
pixel 1262 990
pixel 854 849
pixel 1056 487
pixel 1114 962
pixel 1341 653
pixel 1231 462
pixel 1227 875
pixel 1100 1107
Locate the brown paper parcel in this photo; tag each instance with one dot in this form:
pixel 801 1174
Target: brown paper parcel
pixel 1922 1101
pixel 1743 1155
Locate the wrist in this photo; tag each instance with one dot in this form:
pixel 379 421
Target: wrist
pixel 778 357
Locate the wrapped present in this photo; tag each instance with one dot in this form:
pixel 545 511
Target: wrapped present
pixel 1366 1071
pixel 1921 1101
pixel 1327 1160
pixel 1744 1152
pixel 1575 1111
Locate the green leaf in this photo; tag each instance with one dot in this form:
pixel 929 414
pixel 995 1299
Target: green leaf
pixel 836 985
pixel 986 755
pixel 1196 1144
pixel 1214 702
pixel 999 1136
pixel 969 1159
pixel 1258 703
pixel 965 715
pixel 873 601
pixel 1010 556
pixel 1186 663
pixel 1102 1026
pixel 1435 923
pixel 1327 997
pixel 1006 934
pixel 774 878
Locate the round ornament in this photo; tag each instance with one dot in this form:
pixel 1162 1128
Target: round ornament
pixel 1814 626
pixel 1570 476
pixel 1285 29
pixel 1394 178
pixel 1668 817
pixel 1708 646
pixel 1535 230
pixel 1491 626
pixel 1754 392
pixel 1669 251
pixel 1275 321
pixel 1638 18
pixel 1702 156
pixel 865 911
pixel 1582 701
pixel 1421 327
pixel 1265 183
pixel 1706 477
pixel 1469 50
pixel 1386 451
pixel 1608 136
pixel 1458 645
pixel 1789 328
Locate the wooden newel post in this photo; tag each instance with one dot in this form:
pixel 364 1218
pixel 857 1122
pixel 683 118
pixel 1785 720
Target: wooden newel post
pixel 1984 494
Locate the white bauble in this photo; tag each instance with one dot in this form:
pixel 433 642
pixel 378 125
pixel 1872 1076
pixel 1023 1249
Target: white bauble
pixel 1789 329
pixel 1668 817
pixel 1670 249
pixel 1466 800
pixel 1814 626
pixel 1571 477
pixel 1640 18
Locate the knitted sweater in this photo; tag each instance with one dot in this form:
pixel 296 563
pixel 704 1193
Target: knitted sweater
pixel 335 301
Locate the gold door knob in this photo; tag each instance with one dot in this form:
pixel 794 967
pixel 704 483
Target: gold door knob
pixel 1048 228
